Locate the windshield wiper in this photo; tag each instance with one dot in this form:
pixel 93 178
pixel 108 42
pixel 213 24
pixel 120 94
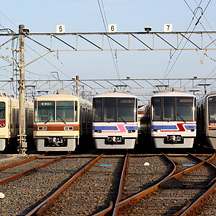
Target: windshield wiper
pixel 122 119
pixel 181 118
pixel 47 120
pixel 61 119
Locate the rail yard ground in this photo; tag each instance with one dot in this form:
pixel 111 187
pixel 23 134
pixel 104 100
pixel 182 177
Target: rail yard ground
pixel 96 183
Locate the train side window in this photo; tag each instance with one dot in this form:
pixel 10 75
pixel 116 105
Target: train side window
pixel 212 109
pixel 97 109
pixel 156 109
pixel 75 112
pixel 35 112
pixel 2 110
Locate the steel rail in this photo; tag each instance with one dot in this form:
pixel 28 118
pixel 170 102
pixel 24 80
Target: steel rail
pixel 124 170
pixel 196 205
pixel 131 200
pixel 29 171
pixel 183 209
pixel 42 207
pixel 180 174
pixel 110 207
pixel 134 198
pixel 19 162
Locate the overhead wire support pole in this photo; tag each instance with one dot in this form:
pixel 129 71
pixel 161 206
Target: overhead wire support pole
pixel 22 118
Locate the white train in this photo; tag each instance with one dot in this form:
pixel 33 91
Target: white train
pixel 9 121
pixel 206 119
pixel 115 121
pixel 60 120
pixel 173 119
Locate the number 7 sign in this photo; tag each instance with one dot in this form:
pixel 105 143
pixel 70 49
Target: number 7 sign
pixel 167 27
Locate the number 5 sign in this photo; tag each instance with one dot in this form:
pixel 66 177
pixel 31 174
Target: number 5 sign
pixel 112 28
pixel 167 27
pixel 60 29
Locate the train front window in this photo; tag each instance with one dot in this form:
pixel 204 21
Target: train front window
pixel 65 111
pixel 97 109
pixel 2 110
pixel 114 109
pixel 126 111
pixel 173 109
pixel 169 107
pixel 212 109
pixel 46 111
pixel 185 106
pixel 109 109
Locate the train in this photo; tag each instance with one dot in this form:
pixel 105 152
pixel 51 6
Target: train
pixel 115 123
pixel 206 120
pixel 9 120
pixel 60 121
pixel 173 119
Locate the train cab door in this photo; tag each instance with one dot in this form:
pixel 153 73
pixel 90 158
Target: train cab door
pixel 169 124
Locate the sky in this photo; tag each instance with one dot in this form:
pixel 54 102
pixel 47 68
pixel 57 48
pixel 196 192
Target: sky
pixel 42 16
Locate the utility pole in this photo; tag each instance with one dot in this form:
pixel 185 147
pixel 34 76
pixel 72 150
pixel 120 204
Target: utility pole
pixel 22 118
pixel 77 85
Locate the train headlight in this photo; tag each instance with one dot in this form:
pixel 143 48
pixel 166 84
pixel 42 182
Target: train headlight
pixel 190 130
pixel 131 131
pixel 68 128
pixel 157 130
pixel 42 128
pixel 98 131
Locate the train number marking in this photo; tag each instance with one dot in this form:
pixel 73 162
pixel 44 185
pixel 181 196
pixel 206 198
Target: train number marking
pixel 112 28
pixel 60 29
pixel 167 27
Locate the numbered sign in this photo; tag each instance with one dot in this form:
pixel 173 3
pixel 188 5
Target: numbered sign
pixel 60 29
pixel 167 27
pixel 112 28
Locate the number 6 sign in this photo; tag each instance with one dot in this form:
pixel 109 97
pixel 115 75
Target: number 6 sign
pixel 112 28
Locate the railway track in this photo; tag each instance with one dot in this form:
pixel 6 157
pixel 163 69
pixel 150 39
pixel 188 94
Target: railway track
pixel 23 192
pixel 106 185
pixel 173 195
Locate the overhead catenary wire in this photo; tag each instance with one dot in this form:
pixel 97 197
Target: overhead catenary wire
pixel 213 41
pixel 33 50
pixel 104 19
pixel 198 21
pixel 48 61
pixel 168 72
pixel 8 18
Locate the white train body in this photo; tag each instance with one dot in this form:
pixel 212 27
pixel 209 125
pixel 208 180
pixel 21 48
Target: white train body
pixel 60 120
pixel 115 121
pixel 173 120
pixel 206 112
pixel 9 120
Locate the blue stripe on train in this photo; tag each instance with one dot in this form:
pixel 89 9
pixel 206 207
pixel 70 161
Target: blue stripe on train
pixel 113 128
pixel 164 127
pixel 131 127
pixel 190 127
pixel 172 127
pixel 105 128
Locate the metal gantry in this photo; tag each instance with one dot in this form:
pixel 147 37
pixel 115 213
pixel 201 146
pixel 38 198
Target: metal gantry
pixel 143 88
pixel 99 41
